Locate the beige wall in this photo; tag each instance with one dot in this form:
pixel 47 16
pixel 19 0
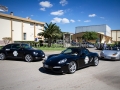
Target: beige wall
pixel 118 35
pixel 29 30
pixel 5 27
pixel 38 29
pixel 115 35
pixel 14 27
pixel 16 30
pixel 103 38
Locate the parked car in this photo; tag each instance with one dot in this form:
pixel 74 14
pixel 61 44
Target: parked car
pixel 99 46
pixel 23 51
pixel 111 53
pixel 71 59
pixel 87 45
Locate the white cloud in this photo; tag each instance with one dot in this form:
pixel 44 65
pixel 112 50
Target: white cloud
pixel 79 20
pixel 60 20
pixel 42 9
pixel 87 21
pixel 63 2
pixel 92 15
pixel 45 4
pixel 102 17
pixel 59 13
pixel 31 15
pixel 56 20
pixel 72 20
pixel 65 20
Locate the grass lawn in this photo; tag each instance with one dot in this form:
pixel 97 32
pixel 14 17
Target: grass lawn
pixel 51 48
pixel 0 47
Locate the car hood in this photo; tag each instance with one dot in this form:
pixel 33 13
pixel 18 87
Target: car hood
pixel 109 52
pixel 36 50
pixel 55 59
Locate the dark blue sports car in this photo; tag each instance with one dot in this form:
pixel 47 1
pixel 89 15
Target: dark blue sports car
pixel 21 51
pixel 71 59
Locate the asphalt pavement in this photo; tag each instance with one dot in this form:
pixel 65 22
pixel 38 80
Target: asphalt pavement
pixel 20 75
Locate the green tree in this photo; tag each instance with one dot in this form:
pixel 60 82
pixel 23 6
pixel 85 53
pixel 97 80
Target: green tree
pixel 51 32
pixel 90 35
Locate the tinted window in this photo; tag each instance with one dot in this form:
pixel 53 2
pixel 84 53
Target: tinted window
pixel 8 46
pixel 86 51
pixel 71 51
pixel 15 46
pixel 67 51
pixel 26 46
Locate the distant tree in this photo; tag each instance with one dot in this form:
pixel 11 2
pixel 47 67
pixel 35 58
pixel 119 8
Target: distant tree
pixel 51 32
pixel 7 39
pixel 90 35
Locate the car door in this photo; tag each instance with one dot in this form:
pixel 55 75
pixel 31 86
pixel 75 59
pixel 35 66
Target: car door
pixel 7 50
pixel 84 58
pixel 87 57
pixel 81 58
pixel 16 51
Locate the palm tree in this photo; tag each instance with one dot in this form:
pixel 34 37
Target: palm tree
pixel 51 31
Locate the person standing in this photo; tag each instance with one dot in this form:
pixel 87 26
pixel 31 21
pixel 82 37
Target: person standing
pixel 105 45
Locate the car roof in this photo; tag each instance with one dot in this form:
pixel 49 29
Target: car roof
pixel 80 48
pixel 16 43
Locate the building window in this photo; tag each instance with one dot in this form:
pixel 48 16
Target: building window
pixel 24 36
pixel 31 24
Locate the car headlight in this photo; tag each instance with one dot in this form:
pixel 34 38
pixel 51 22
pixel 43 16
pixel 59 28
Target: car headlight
pixel 46 57
pixel 62 61
pixel 115 53
pixel 35 53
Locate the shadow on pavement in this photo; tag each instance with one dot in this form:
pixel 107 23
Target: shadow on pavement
pixel 22 60
pixel 108 60
pixel 41 69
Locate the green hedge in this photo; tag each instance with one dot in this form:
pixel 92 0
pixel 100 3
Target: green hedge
pixel 32 43
pixel 39 44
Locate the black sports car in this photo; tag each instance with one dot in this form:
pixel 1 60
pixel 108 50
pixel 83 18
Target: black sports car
pixel 71 59
pixel 20 50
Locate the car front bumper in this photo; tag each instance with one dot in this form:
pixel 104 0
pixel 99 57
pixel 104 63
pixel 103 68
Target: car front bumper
pixel 56 69
pixel 38 57
pixel 110 57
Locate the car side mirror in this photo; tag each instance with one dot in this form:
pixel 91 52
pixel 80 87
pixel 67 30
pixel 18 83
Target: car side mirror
pixel 83 54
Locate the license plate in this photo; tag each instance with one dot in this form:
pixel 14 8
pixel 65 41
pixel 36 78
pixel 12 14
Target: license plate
pixel 113 58
pixel 46 66
pixel 108 57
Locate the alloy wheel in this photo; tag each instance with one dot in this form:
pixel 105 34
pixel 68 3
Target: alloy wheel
pixel 72 67
pixel 2 56
pixel 28 58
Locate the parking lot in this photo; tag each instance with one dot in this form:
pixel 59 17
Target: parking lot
pixel 20 75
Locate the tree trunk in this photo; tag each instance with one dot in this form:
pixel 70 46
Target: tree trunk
pixel 49 42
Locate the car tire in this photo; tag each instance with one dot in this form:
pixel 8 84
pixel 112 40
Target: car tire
pixel 2 56
pixel 72 67
pixel 96 61
pixel 28 58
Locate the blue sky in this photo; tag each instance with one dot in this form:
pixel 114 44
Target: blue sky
pixel 67 14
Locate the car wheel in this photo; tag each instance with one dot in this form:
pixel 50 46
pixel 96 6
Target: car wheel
pixel 2 56
pixel 96 61
pixel 72 67
pixel 28 58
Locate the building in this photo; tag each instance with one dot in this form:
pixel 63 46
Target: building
pixel 19 29
pixel 104 32
pixel 115 34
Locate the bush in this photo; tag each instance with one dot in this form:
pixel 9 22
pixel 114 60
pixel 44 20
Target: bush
pixel 31 43
pixel 39 44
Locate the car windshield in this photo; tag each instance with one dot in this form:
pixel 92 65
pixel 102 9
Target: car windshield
pixel 26 46
pixel 70 51
pixel 113 48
